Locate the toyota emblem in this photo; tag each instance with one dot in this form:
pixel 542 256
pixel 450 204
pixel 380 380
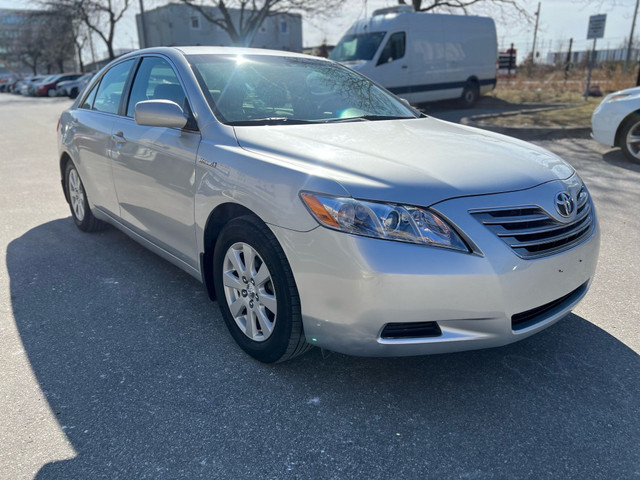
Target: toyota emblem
pixel 564 204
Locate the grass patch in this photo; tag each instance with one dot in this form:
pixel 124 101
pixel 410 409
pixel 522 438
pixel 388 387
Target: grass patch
pixel 578 115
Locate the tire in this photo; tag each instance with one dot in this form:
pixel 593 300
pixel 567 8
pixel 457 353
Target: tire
pixel 268 322
pixel 470 95
pixel 51 92
pixel 73 93
pixel 629 146
pixel 78 202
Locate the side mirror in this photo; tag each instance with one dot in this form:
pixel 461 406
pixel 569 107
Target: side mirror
pixel 405 101
pixel 159 113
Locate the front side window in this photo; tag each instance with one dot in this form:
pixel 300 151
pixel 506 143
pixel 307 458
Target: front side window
pixel 394 49
pixel 357 47
pixel 111 87
pixel 155 80
pixel 249 89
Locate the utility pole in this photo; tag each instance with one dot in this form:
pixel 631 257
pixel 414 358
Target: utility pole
pixel 535 34
pixel 567 64
pixel 633 26
pixel 143 26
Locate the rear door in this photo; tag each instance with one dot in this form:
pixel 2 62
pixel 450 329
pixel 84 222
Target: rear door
pixel 91 124
pixel 154 167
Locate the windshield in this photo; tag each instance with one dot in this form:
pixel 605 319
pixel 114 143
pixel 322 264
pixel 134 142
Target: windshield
pixel 357 47
pixel 263 89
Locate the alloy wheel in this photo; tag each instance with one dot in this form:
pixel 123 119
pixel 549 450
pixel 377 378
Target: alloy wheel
pixel 249 291
pixel 633 140
pixel 76 195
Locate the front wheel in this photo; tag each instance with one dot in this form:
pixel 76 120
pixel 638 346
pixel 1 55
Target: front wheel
pixel 80 211
pixel 257 293
pixel 630 138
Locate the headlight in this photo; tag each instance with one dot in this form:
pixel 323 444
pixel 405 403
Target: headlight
pixel 383 220
pixel 619 96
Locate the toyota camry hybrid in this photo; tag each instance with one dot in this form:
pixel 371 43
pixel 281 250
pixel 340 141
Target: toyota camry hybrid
pixel 319 209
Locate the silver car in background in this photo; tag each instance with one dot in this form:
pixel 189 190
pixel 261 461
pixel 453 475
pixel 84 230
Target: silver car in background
pixel 319 209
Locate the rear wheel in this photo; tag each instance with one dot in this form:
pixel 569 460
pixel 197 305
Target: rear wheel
pixel 52 92
pixel 630 138
pixel 80 211
pixel 257 293
pixel 470 94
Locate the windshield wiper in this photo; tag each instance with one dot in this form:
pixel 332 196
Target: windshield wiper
pixel 369 117
pixel 269 121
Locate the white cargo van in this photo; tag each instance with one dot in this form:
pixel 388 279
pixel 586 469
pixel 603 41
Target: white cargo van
pixel 423 56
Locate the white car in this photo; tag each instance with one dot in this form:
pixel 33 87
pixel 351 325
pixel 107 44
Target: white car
pixel 616 122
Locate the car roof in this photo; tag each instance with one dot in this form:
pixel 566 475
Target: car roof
pixel 203 50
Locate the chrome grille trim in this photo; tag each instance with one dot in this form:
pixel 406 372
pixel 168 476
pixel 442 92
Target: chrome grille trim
pixel 532 233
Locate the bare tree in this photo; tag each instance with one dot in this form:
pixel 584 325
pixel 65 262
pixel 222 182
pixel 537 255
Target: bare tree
pixel 28 46
pixel 99 16
pixel 243 25
pixel 465 6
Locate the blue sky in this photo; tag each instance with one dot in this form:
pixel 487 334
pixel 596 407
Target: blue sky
pixel 559 21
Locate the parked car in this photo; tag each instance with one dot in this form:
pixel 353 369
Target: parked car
pixel 319 209
pixel 421 56
pixel 47 88
pixel 616 122
pixel 33 87
pixel 71 88
pixel 28 85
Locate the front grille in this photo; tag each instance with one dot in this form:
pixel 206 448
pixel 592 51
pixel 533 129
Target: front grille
pixel 531 232
pixel 411 330
pixel 526 319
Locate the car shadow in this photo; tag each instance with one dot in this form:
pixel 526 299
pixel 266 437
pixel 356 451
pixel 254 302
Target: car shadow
pixel 145 381
pixel 616 158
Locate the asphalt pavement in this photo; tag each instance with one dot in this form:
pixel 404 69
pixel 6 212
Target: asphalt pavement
pixel 114 363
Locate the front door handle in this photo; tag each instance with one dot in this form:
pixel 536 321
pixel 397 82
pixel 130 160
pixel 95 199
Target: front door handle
pixel 405 66
pixel 118 137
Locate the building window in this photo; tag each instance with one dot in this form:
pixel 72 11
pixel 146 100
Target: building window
pixel 195 23
pixel 284 28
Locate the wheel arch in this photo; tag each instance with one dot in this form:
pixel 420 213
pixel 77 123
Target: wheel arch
pixel 617 140
pixel 218 218
pixel 65 158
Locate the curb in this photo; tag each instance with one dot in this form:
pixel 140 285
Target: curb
pixel 528 133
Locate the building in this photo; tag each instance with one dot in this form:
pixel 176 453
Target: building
pixel 36 41
pixel 181 25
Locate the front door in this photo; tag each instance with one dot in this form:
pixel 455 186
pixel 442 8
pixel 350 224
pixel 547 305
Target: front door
pixel 154 167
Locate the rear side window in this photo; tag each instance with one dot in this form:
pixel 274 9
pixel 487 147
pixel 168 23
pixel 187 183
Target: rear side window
pixel 156 80
pixel 87 104
pixel 111 87
pixel 394 49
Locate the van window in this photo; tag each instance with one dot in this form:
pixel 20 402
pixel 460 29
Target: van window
pixel 394 49
pixel 357 47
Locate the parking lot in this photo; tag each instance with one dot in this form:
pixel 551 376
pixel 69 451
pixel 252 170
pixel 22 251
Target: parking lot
pixel 114 363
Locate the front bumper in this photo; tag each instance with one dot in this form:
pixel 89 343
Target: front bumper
pixel 350 287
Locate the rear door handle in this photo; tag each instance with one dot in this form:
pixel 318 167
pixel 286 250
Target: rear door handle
pixel 405 66
pixel 118 137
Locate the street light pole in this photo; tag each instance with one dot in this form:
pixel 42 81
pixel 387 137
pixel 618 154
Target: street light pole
pixel 143 26
pixel 633 26
pixel 535 34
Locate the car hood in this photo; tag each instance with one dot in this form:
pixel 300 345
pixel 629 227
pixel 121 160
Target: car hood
pixel 415 161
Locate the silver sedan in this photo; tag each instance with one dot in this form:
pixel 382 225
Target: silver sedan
pixel 319 209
